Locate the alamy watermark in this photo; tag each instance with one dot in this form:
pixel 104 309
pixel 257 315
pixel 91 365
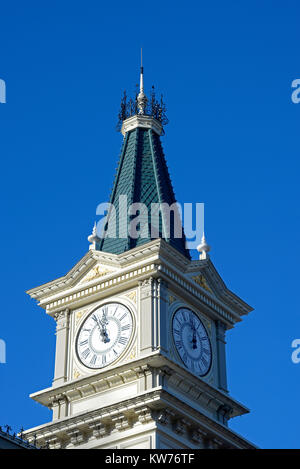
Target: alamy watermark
pixel 295 96
pixel 138 220
pixel 296 353
pixel 2 91
pixel 2 351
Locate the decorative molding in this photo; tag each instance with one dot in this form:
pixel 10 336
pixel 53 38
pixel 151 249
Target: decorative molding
pixel 96 272
pixel 172 299
pixel 201 280
pixel 76 374
pixel 157 407
pixel 143 121
pixel 132 296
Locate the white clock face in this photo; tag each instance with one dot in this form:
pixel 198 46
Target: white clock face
pixel 191 341
pixel 104 335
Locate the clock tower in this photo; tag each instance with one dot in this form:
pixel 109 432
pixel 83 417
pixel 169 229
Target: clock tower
pixel 140 326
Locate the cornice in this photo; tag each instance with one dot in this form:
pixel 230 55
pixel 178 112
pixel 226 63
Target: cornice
pixel 157 406
pixel 192 386
pixel 142 121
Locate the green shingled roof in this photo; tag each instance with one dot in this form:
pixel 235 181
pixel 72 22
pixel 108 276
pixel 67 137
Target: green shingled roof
pixel 142 176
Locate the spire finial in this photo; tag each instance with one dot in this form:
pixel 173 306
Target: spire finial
pixel 142 98
pixel 94 238
pixel 203 248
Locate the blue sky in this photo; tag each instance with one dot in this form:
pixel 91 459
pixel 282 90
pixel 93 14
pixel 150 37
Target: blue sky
pixel 226 70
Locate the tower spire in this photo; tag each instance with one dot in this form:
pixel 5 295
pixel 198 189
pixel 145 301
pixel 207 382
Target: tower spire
pixel 142 98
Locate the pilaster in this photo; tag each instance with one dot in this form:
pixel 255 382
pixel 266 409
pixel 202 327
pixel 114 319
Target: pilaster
pixel 221 355
pixel 62 341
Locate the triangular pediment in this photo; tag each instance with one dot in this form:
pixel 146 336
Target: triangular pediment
pixel 93 265
pixel 205 275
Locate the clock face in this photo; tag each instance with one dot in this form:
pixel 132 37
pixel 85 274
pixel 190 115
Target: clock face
pixel 104 335
pixel 191 341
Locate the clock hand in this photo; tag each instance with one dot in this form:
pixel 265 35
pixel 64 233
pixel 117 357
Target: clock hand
pixel 194 339
pixel 103 331
pixel 101 323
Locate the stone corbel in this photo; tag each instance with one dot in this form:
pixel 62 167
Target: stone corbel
pixel 53 442
pixel 99 429
pixel 144 415
pixel 76 436
pixel 121 422
pixel 164 417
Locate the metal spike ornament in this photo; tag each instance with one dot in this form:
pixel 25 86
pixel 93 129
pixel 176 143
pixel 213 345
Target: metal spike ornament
pixel 140 105
pixel 142 98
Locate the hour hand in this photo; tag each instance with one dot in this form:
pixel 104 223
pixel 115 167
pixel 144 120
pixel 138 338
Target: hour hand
pixel 104 335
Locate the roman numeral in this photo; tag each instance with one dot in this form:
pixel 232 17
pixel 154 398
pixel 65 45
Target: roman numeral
pixel 84 342
pixel 93 360
pixel 204 361
pixel 122 340
pixel 178 343
pixel 121 319
pixel 103 359
pixel 86 353
pixel 184 316
pixel 125 328
pixel 176 331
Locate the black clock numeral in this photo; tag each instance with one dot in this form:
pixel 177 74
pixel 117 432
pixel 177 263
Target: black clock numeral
pixel 205 351
pixel 93 359
pixel 124 315
pixel 84 342
pixel 95 318
pixel 176 331
pixel 204 361
pixel 178 343
pixel 103 359
pixel 125 328
pixel 122 340
pixel 86 353
pixel 115 352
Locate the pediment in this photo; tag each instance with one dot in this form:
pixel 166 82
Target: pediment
pixel 205 275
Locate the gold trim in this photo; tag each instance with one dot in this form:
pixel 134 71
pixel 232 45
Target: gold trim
pixel 171 299
pixel 132 296
pixel 96 272
pixel 201 280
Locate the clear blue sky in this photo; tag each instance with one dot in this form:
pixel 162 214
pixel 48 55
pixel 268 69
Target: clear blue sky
pixel 232 142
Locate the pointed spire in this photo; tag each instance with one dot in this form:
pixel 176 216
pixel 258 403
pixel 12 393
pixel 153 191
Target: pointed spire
pixel 94 238
pixel 142 73
pixel 142 98
pixel 203 248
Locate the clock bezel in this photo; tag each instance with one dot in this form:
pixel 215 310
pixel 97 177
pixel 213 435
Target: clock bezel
pixel 179 307
pixel 85 318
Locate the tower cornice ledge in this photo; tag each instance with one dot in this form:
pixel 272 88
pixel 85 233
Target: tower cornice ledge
pixel 143 121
